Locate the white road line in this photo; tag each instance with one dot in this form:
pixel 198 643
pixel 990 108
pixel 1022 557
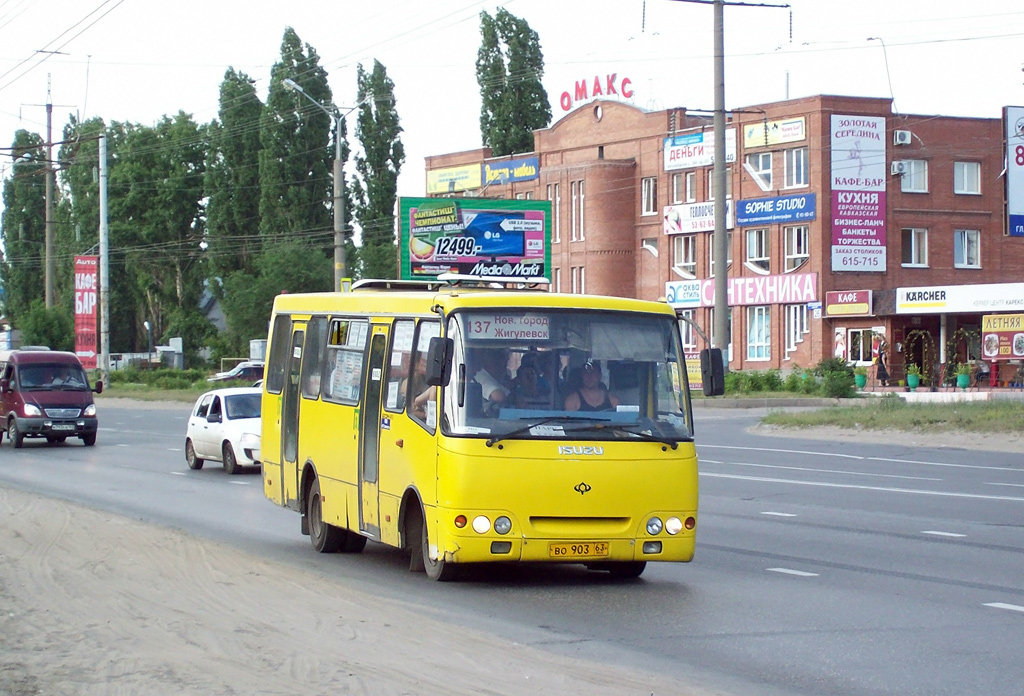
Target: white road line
pixel 121 444
pixel 785 451
pixel 1000 605
pixel 867 459
pixel 239 483
pixel 944 534
pixel 178 473
pixel 787 571
pixel 833 471
pixel 883 489
pixel 1015 485
pixel 779 514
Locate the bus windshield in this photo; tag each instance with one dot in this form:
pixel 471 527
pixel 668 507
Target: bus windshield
pixel 558 374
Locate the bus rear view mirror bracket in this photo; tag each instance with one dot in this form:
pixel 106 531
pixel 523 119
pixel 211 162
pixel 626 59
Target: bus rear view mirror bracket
pixel 439 361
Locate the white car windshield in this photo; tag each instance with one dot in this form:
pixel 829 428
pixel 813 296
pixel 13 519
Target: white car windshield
pixel 242 406
pixel 566 374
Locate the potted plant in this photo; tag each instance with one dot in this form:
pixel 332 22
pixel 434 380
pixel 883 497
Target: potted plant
pixel 963 375
pixel 913 376
pixel 860 376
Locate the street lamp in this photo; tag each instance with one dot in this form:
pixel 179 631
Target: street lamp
pixel 149 341
pixel 340 265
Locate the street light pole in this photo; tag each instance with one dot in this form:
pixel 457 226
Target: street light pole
pixel 340 263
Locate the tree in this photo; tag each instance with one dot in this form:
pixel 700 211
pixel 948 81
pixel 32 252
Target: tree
pixel 232 180
pixel 509 70
pixel 23 228
pixel 378 130
pixel 52 327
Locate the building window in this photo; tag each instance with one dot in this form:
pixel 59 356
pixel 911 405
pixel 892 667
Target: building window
pixel 711 253
pixel 689 336
pixel 796 167
pixel 711 183
pixel 759 333
pixel 649 195
pixel 684 255
pixel 556 280
pixel 525 196
pixel 915 246
pixel 967 178
pixel 579 196
pixel 915 178
pixel 797 252
pixel 967 248
pixel 760 167
pixel 796 326
pixel 579 280
pixel 758 254
pixel 691 187
pixel 677 188
pixel 728 326
pixel 556 212
pixel 858 342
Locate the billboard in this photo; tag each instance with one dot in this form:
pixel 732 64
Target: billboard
pixel 1014 117
pixel 800 207
pixel 86 292
pixel 474 236
pixel 696 150
pixel 858 193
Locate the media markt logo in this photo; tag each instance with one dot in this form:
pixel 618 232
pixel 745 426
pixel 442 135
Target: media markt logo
pixel 506 269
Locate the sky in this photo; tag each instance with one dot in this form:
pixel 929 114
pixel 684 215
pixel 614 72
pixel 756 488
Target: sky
pixel 139 60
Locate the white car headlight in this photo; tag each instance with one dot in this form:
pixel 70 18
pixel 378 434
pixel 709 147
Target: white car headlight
pixel 250 441
pixel 90 410
pixel 32 410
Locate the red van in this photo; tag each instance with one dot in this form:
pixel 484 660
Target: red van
pixel 46 393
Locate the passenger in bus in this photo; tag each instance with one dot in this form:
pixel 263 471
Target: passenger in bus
pixel 592 395
pixel 492 376
pixel 528 391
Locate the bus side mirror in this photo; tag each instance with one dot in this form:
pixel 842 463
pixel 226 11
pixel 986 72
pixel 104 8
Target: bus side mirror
pixel 712 371
pixel 439 361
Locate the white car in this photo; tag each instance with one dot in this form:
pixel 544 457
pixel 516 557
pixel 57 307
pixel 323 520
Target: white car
pixel 225 427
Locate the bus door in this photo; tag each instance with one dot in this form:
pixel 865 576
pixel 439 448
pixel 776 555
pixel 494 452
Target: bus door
pixel 369 435
pixel 290 420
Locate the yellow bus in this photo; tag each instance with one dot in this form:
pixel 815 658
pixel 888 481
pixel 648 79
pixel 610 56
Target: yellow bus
pixel 469 424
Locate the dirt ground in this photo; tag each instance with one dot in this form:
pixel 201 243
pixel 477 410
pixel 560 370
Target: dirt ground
pixel 94 603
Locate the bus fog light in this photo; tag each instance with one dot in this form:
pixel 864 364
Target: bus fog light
pixel 690 523
pixel 460 521
pixel 652 547
pixel 503 525
pixel 654 526
pixel 481 525
pixel 673 525
pixel 501 546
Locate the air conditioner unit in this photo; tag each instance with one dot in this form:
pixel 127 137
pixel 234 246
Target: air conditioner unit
pixel 899 168
pixel 901 137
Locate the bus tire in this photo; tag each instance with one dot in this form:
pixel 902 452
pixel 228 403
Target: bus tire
pixel 439 570
pixel 627 569
pixel 414 541
pixel 326 538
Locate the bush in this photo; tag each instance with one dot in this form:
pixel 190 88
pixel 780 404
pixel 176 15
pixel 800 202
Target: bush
pixel 163 378
pixel 837 385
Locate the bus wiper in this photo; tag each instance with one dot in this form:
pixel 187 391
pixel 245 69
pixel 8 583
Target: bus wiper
pixel 543 421
pixel 618 427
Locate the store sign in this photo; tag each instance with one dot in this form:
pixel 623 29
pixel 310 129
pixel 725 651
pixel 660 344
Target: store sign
pixel 511 171
pixel 606 86
pixel 695 217
pixel 781 209
pixel 942 299
pixel 697 150
pixel 790 130
pixel 1014 116
pixel 488 238
pixel 848 303
pixel 858 194
pixel 86 293
pixel 453 179
pixel 1002 336
pixel 792 288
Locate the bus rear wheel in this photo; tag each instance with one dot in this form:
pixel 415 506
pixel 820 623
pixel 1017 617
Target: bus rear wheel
pixel 439 570
pixel 326 537
pixel 628 569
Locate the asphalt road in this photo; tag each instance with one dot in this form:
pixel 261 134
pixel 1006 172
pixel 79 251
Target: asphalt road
pixel 821 568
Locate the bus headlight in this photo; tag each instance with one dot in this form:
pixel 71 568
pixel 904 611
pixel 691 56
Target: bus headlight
pixel 503 525
pixel 32 410
pixel 481 525
pixel 673 525
pixel 654 526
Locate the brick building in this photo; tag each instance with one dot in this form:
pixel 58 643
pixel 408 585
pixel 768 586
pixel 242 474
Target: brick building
pixel 853 230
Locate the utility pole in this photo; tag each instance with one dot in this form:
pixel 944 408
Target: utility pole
pixel 104 362
pixel 720 330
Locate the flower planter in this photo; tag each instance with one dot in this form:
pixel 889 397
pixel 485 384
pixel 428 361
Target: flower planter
pixel 963 381
pixel 860 380
pixel 913 381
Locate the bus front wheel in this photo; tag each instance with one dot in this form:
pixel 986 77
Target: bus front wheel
pixel 439 569
pixel 326 538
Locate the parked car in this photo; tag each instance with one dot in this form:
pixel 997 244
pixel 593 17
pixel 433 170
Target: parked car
pixel 46 394
pixel 225 427
pixel 243 372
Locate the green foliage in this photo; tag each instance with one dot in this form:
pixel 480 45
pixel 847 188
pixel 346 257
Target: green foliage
pixel 832 365
pixel 963 368
pixel 891 401
pixel 513 100
pixel 24 232
pixel 860 370
pixel 54 327
pixel 913 369
pixel 163 378
pixel 837 385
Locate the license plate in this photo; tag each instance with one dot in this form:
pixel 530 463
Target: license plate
pixel 578 549
pixel 61 426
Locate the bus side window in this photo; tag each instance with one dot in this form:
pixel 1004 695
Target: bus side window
pixel 313 357
pixel 421 397
pixel 399 366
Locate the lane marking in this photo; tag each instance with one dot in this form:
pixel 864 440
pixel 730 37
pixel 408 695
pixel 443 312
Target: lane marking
pixel 787 571
pixel 239 483
pixel 883 489
pixel 833 471
pixel 869 459
pixel 785 451
pixel 945 534
pixel 779 514
pixel 1015 485
pixel 1000 605
pixel 178 473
